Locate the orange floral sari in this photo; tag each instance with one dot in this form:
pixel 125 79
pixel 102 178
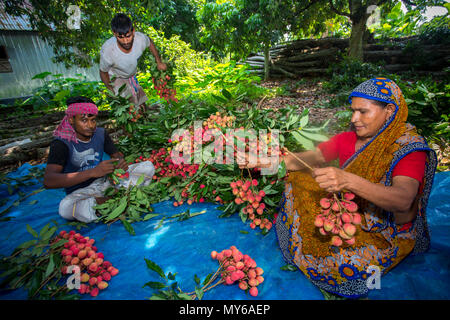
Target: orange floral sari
pixel 380 243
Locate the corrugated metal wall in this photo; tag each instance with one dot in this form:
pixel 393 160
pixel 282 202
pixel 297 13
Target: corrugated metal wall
pixel 30 55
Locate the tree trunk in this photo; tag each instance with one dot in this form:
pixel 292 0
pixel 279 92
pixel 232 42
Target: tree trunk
pixel 355 50
pixel 266 60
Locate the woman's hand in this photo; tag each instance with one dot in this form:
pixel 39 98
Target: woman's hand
pixel 332 179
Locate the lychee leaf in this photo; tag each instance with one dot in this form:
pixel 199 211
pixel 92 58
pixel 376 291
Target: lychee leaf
pixel 118 211
pixel 31 231
pixel 155 285
pixel 157 297
pixel 50 267
pixel 199 293
pixel 140 180
pixel 171 276
pixel 184 296
pixel 196 279
pixel 154 267
pixel 208 277
pixel 128 227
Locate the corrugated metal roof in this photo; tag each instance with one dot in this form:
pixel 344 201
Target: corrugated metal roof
pixel 9 22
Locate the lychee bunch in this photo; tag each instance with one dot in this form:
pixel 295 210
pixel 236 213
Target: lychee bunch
pixel 240 268
pixel 80 251
pixel 134 113
pixel 246 193
pixel 218 120
pixel 165 167
pixel 339 218
pixel 163 89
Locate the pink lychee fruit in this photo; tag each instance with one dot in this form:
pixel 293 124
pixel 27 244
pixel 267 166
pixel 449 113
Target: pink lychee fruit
pixel 349 229
pixel 328 225
pixel 336 241
pixel 346 217
pixel 356 218
pixel 349 196
pixel 318 222
pixel 325 203
pixel 243 285
pixel 94 292
pixel 102 285
pixel 253 291
pixel 259 271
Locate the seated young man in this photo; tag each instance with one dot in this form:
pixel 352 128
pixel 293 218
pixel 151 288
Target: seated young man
pixel 75 161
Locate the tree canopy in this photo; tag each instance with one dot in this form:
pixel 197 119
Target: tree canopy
pixel 225 28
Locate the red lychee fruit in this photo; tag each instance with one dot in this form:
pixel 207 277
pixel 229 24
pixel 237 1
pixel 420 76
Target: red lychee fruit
pixel 253 291
pixel 325 203
pixel 102 285
pixel 243 285
pixel 94 292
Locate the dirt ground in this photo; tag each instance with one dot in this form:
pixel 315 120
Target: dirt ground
pixel 307 94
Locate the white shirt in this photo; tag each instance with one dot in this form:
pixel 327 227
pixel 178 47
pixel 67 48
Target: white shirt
pixel 121 64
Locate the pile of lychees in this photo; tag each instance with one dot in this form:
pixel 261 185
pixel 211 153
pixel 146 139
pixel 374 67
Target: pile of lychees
pixel 218 120
pixel 238 267
pixel 134 112
pixel 246 193
pixel 339 218
pixel 80 251
pixel 163 89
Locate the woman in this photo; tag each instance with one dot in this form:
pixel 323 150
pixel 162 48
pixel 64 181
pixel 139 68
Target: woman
pixel 389 168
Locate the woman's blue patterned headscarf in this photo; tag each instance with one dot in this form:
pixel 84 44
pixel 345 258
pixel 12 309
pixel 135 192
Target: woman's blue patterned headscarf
pixel 380 89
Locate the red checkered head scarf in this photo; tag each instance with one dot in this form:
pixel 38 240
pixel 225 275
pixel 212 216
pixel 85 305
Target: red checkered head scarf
pixel 65 129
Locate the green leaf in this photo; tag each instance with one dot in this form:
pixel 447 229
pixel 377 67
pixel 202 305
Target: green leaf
pixel 208 277
pixel 196 279
pixel 199 293
pixel 50 267
pixel 304 121
pixel 154 267
pixel 155 285
pixel 307 144
pixel 32 202
pixel 157 297
pixel 140 180
pixel 171 276
pixel 282 170
pixel 314 136
pixel 128 227
pixel 227 94
pixel 243 232
pixel 120 208
pixel 31 231
pixel 150 215
pixel 27 244
pixel 41 75
pixel 48 234
pixel 184 296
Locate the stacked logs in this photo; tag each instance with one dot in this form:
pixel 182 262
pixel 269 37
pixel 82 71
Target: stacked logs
pixel 312 57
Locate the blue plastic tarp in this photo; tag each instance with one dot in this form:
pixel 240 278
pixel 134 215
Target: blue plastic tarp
pixel 183 247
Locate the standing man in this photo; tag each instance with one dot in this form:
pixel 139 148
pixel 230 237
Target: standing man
pixel 119 56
